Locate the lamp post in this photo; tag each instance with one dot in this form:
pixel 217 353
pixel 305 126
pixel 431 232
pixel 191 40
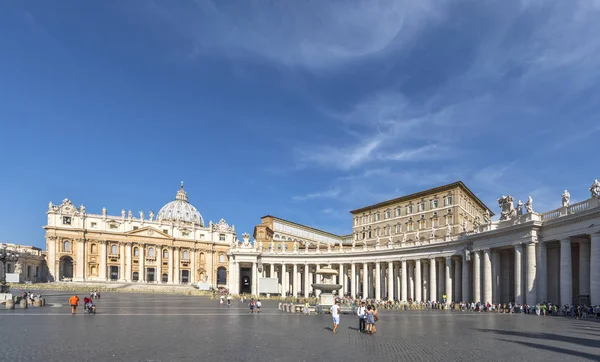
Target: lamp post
pixel 5 257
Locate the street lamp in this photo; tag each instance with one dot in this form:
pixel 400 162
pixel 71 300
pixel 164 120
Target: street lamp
pixel 5 257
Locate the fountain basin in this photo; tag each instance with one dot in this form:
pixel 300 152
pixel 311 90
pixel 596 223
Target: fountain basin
pixel 327 288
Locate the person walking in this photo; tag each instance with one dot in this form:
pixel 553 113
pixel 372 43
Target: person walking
pixel 258 305
pixel 74 302
pixel 229 300
pixel 335 315
pixel 370 319
pixel 362 314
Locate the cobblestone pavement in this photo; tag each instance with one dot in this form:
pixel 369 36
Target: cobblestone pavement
pixel 175 328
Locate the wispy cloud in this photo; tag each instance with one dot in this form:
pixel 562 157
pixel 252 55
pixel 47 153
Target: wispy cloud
pixel 329 194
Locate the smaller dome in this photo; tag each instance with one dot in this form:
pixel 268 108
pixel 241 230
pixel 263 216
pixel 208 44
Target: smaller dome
pixel 180 210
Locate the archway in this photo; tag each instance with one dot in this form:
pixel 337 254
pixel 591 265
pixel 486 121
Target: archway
pixel 66 268
pixel 221 276
pixel 185 276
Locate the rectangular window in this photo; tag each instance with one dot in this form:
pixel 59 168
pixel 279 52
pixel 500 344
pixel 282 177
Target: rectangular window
pixel 222 237
pixel 94 224
pixel 135 228
pixel 165 231
pixel 434 204
pixel 409 209
pixel 397 212
pixel 114 226
pixel 66 220
pixel 448 200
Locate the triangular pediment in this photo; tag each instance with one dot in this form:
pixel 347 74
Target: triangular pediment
pixel 148 231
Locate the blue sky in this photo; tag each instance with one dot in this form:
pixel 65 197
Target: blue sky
pixel 300 109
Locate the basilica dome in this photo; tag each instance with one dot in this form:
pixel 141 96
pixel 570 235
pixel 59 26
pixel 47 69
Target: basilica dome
pixel 180 210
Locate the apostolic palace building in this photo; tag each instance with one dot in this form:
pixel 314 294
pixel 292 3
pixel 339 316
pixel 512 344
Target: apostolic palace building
pixel 439 244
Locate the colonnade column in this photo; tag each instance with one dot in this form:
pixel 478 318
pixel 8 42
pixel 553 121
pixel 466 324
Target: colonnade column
pixel 425 282
pixel 353 280
pixel 448 289
pixel 295 279
pixel 404 281
pixel 531 296
pixel 566 276
pixel 584 267
pixel 542 275
pixel 254 289
pixel 365 288
pixel 441 279
pixel 272 271
pixel 306 281
pixel 432 280
pixel 342 279
pixel 457 280
pixel 418 287
pixel 411 281
pixel 518 274
pixel 476 277
pixel 122 256
pixel 284 280
pixel 390 283
pixel 377 280
pixel 487 276
pixel 595 269
pixel 465 281
pixel 496 276
pixel 142 273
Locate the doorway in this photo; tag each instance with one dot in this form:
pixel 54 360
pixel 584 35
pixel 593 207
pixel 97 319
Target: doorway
pixel 150 275
pixel 114 272
pixel 245 280
pixel 185 276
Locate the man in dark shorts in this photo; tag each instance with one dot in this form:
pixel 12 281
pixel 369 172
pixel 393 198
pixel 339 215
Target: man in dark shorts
pixel 251 305
pixel 74 302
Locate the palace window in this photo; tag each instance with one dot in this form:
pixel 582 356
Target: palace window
pixel 377 216
pixel 409 226
pixel 421 206
pixel 398 228
pixel 67 246
pixel 135 228
pixel 66 220
pixel 421 224
pixel 448 200
pixel 222 237
pixel 114 250
pixel 136 252
pixel 151 252
pixel 114 226
pixel 94 224
pixel 409 209
pixel 186 255
pixel 388 229
pixel 165 254
pixel 93 249
pixel 370 235
pixel 397 211
pixel 434 204
pixel 388 213
pixel 355 221
pixel 166 231
pixel 222 258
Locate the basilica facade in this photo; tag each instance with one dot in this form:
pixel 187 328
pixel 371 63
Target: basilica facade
pixel 436 245
pixel 174 246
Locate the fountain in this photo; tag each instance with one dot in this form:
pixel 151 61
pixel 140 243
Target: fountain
pixel 326 286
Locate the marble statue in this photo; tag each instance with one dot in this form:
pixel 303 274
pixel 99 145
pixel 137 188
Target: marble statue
pixel 377 242
pixel 464 226
pixel 318 247
pixel 529 205
pixel 328 248
pixel 595 189
pixel 295 245
pixel 404 237
pixel 129 215
pixel 82 209
pixel 104 211
pixel 18 267
pixel 390 241
pixel 260 245
pixel 141 216
pixel 448 230
pixel 418 235
pixel 353 243
pixel 520 208
pixel 432 234
pixel 151 215
pixel 50 206
pixel 123 214
pixel 507 207
pixel 566 198
pixel 487 218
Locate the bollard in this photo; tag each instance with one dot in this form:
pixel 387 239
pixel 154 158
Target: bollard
pixel 279 306
pixel 23 304
pixel 292 308
pixel 43 302
pixel 10 304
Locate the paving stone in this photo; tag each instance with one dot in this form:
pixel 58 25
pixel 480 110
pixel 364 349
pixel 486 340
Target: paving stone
pixel 138 327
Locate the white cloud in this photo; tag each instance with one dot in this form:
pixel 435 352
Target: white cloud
pixel 329 194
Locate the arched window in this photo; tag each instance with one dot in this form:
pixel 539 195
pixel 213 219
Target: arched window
pixel 222 258
pixel 165 254
pixel 136 251
pixel 151 252
pixel 186 255
pixel 93 249
pixel 67 246
pixel 114 249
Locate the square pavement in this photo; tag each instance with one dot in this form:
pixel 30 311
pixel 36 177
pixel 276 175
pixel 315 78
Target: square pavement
pixel 145 327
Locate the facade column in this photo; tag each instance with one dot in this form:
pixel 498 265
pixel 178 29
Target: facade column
pixel 192 277
pixel 295 280
pixel 584 267
pixel 487 276
pixel 476 277
pixel 411 280
pixel 531 296
pixel 122 256
pixel 432 280
pixel 81 262
pixel 102 266
pixel 231 276
pixel 158 270
pixel 353 280
pixel 566 276
pixel 306 281
pixel 404 281
pixel 254 288
pixel 365 288
pixel 518 274
pixel 171 262
pixel 377 280
pixel 128 261
pixel 465 281
pixel 457 280
pixel 448 289
pixel 142 264
pixel 390 283
pixel 542 273
pixel 176 267
pixel 595 269
pixel 418 280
